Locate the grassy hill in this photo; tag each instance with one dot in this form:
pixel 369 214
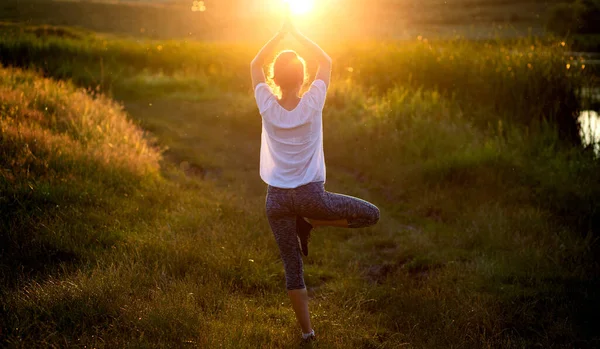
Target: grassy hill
pixel 112 237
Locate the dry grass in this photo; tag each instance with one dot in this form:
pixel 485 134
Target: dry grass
pixel 47 125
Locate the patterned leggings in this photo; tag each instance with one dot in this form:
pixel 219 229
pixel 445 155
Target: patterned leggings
pixel 313 202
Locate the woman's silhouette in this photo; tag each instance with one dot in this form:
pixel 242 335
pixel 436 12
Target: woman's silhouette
pixel 292 162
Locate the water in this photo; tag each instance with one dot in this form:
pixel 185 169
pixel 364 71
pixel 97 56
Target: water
pixel 589 120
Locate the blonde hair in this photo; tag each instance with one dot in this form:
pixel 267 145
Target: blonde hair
pixel 288 70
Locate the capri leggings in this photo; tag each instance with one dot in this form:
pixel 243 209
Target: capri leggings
pixel 310 201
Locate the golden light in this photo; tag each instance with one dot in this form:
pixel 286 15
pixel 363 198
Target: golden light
pixel 198 6
pixel 300 7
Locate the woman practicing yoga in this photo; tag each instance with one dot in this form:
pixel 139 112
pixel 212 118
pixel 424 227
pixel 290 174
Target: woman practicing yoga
pixel 292 162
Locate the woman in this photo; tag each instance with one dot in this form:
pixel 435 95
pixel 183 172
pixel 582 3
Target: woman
pixel 293 165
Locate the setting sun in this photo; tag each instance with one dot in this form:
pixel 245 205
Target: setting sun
pixel 299 7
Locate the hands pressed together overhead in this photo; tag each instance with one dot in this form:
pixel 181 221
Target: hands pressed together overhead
pixel 288 27
pixel 314 51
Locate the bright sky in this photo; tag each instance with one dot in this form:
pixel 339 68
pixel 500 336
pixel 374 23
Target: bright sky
pixel 300 7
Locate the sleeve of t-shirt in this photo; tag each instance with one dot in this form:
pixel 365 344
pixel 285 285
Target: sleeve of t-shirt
pixel 264 97
pixel 316 94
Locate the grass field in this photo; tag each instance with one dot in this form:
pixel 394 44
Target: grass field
pixel 137 219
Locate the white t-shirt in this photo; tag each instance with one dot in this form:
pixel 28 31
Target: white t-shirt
pixel 291 149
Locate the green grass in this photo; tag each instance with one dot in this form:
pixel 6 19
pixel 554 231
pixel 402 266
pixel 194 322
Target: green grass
pixel 114 238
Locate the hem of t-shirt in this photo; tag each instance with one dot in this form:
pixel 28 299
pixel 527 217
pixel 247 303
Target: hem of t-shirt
pixel 293 186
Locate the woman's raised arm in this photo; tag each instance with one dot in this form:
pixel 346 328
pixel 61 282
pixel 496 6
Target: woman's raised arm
pixel 256 66
pixel 324 71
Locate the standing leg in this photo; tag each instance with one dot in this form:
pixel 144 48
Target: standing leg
pixel 299 299
pixel 283 225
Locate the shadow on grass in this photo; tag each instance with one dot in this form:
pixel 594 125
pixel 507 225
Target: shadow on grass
pixel 537 315
pixel 26 252
pixel 42 233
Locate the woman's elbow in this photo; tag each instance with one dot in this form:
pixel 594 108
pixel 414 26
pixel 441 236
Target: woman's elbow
pixel 326 60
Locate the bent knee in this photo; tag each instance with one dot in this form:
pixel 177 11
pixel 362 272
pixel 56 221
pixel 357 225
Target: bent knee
pixel 374 216
pixel 367 218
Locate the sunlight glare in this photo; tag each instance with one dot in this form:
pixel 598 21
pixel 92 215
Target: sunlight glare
pixel 589 122
pixel 300 7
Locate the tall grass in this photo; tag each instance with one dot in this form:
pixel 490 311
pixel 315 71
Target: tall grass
pixel 47 125
pixel 529 81
pixel 96 61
